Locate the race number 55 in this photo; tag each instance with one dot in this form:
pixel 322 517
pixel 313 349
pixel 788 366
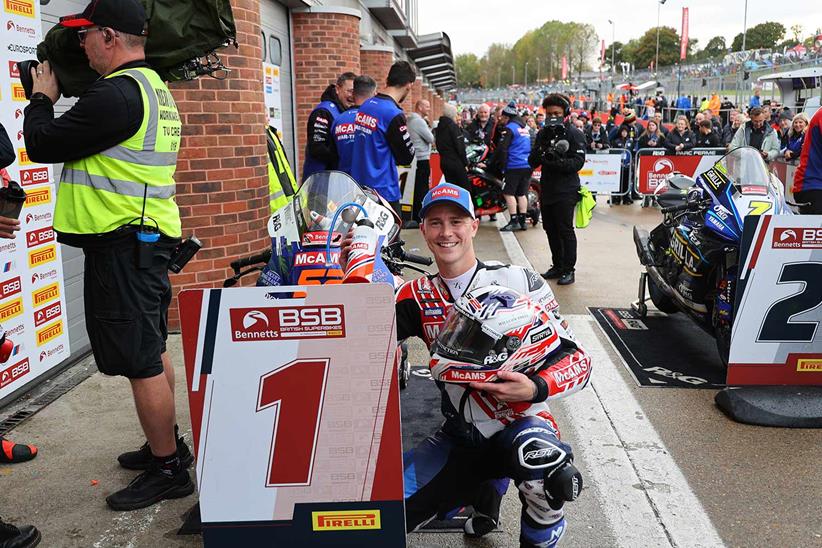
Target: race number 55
pixel 296 391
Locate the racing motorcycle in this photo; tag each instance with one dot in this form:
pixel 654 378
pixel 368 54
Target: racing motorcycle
pixel 306 235
pixel 691 259
pixel 486 188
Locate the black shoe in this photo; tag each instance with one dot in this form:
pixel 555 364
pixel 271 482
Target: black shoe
pixel 512 225
pixel 151 487
pixel 141 459
pixel 552 273
pixel 25 536
pixel 478 525
pixel 567 278
pixel 522 222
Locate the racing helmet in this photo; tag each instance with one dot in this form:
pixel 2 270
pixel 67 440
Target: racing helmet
pixel 491 329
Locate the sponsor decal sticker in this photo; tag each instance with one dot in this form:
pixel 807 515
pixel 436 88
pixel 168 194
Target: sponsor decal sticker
pixel 49 332
pixel 47 313
pixel 11 309
pixel 797 238
pixel 19 7
pixel 345 520
pixel 34 176
pixel 46 294
pixel 444 191
pixel 42 256
pixel 39 236
pixel 13 72
pixel 460 375
pixel 40 196
pixel 315 258
pixel 809 365
pixel 10 287
pixel 287 322
pixel 14 372
pixel 24 158
pixel 49 352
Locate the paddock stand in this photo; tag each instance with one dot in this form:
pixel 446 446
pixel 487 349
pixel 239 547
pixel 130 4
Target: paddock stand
pixel 639 305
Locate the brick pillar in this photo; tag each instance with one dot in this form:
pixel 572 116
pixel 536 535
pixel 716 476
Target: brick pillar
pixel 326 43
pixel 416 93
pixel 222 184
pixel 375 61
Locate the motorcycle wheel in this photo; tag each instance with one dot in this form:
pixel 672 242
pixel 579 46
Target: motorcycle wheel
pixel 661 301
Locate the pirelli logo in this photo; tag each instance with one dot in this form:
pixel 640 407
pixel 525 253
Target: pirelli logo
pixel 19 7
pixel 46 294
pixel 43 255
pixel 11 309
pixel 346 520
pixel 50 332
pixel 809 365
pixel 37 197
pixel 18 93
pixel 24 157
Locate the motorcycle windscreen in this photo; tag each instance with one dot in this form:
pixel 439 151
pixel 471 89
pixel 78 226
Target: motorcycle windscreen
pixel 462 339
pixel 745 168
pixel 318 199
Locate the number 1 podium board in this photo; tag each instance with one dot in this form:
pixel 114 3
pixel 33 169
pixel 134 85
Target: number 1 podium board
pixel 295 415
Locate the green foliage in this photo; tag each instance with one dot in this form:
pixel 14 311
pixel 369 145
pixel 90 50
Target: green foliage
pixel 714 50
pixel 643 51
pixel 468 70
pixel 764 35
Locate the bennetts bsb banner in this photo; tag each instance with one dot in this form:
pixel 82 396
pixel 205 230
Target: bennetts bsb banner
pixel 32 296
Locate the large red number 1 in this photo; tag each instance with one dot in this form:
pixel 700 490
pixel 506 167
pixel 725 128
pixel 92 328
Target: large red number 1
pixel 297 391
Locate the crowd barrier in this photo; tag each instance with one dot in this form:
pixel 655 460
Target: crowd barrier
pixel 654 164
pixel 785 170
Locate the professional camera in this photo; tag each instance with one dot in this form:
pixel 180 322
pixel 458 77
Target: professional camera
pixel 552 142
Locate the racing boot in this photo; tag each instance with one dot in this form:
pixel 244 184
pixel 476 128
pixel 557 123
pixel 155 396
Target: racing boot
pixel 141 458
pixel 479 525
pixel 552 273
pixel 25 536
pixel 11 452
pixel 567 278
pixel 512 225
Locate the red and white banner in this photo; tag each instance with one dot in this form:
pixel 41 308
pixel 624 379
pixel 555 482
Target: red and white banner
pixel 683 42
pixel 776 337
pixel 602 54
pixel 564 67
pixel 307 375
pixel 653 165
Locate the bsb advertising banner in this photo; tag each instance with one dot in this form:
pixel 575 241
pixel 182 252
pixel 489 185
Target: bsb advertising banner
pixel 294 404
pixel 32 295
pixel 654 164
pixel 273 96
pixel 776 338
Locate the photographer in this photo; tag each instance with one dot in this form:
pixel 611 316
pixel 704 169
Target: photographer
pixel 560 150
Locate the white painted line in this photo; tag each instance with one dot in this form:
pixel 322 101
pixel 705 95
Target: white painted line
pixel 643 493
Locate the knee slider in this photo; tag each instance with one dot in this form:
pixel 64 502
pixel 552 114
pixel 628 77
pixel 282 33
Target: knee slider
pixel 562 483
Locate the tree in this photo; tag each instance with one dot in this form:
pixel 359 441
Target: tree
pixel 714 50
pixel 762 36
pixel 468 70
pixel 643 51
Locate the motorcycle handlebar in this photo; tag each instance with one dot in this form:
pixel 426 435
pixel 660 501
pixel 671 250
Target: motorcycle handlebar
pixel 418 259
pixel 690 206
pixel 263 257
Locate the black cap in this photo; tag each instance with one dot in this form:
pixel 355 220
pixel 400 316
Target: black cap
pixel 127 16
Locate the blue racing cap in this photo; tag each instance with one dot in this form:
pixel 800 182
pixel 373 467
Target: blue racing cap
pixel 448 193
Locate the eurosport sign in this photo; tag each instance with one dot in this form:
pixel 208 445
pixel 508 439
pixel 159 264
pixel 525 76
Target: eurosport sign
pixel 777 336
pixel 654 164
pixel 32 296
pixel 311 381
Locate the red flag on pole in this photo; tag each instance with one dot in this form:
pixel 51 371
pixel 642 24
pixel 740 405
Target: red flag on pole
pixel 683 43
pixel 564 67
pixel 602 54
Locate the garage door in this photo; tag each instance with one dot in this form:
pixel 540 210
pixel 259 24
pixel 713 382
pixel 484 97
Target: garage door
pixel 51 11
pixel 277 51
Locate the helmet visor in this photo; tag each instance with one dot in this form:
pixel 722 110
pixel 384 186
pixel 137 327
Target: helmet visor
pixel 462 339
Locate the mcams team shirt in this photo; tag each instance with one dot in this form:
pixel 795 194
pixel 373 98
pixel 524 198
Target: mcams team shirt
pixel 381 143
pixel 342 132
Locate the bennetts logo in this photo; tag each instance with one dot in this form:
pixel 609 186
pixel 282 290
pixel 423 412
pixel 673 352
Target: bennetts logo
pixel 797 238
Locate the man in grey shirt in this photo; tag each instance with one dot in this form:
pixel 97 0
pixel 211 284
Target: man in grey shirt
pixel 420 131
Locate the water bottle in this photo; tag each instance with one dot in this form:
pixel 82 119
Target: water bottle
pixel 362 253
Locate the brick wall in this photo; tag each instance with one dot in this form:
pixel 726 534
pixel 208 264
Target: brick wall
pixel 376 63
pixel 325 45
pixel 222 185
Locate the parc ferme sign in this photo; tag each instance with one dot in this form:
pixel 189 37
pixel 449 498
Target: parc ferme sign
pixel 310 382
pixel 777 339
pixel 32 296
pixel 654 165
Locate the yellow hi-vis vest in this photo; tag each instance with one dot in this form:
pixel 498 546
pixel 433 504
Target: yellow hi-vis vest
pixel 281 183
pixel 105 191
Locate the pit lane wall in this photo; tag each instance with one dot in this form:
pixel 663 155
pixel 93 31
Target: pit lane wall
pixel 32 290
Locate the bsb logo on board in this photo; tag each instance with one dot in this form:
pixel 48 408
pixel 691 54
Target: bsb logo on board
pixel 34 176
pixel 797 238
pixel 14 372
pixel 39 236
pixel 19 7
pixel 287 322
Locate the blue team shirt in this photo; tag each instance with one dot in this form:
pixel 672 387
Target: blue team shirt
pixel 373 163
pixel 520 146
pixel 342 131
